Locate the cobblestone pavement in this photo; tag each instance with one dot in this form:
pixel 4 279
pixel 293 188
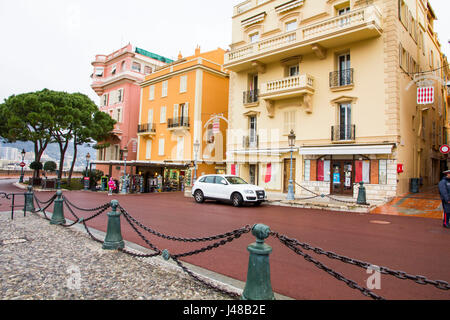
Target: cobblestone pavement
pixel 57 263
pixel 425 204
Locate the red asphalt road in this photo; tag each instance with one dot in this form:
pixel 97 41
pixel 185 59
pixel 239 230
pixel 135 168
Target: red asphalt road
pixel 418 246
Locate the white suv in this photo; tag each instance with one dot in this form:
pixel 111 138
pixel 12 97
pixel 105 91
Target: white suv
pixel 228 188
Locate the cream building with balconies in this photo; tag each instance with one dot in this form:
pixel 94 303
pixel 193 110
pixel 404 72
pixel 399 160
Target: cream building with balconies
pixel 343 75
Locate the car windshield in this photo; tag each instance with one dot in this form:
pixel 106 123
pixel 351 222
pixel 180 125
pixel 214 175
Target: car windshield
pixel 235 180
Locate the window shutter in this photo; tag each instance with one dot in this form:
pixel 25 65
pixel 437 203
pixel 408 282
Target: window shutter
pixel 164 89
pixel 151 95
pixel 161 147
pixel 162 118
pixel 150 116
pixel 175 111
pixel 122 95
pixel 148 150
pixel 183 84
pixel 186 110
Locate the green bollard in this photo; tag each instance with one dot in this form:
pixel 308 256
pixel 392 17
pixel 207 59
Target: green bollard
pixel 29 197
pixel 361 194
pixel 58 210
pixel 258 285
pixel 113 239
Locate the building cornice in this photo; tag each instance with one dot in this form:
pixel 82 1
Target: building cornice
pixel 178 72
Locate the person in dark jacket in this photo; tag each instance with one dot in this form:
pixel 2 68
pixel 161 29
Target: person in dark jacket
pixel 444 191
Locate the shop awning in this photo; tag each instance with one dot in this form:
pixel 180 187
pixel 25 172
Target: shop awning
pixel 346 149
pixel 271 152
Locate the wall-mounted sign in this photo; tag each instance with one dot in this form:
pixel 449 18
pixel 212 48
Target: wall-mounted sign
pixel 425 95
pixel 444 149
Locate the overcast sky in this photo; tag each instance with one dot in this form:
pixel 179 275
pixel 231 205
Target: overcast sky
pixel 51 43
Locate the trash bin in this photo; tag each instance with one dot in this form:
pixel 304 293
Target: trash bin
pixel 414 185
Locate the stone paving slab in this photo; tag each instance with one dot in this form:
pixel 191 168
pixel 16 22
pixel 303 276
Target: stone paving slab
pixel 57 263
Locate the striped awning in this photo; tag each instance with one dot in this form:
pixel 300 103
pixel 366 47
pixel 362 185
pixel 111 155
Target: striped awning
pixel 252 20
pixel 347 149
pixel 288 6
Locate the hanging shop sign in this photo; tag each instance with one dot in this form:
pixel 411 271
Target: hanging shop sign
pixel 425 95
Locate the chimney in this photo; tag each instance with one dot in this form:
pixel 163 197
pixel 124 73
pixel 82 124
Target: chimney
pixel 180 56
pixel 197 50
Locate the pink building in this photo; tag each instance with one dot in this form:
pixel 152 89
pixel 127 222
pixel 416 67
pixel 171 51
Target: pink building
pixel 116 78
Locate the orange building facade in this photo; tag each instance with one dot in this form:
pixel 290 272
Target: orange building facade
pixel 181 104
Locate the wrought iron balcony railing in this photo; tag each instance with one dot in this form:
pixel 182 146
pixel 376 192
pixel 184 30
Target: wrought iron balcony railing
pixel 146 127
pixel 343 133
pixel 251 96
pixel 251 141
pixel 178 122
pixel 341 78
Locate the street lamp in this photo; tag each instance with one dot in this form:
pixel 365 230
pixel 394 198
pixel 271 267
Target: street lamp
pixel 86 178
pixel 124 184
pixel 196 149
pixel 290 195
pixel 21 164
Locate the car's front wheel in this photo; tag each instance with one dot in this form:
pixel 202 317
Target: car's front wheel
pixel 198 196
pixel 237 199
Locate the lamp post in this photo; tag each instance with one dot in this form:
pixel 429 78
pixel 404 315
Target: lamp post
pixel 290 195
pixel 21 173
pixel 86 178
pixel 124 184
pixel 196 149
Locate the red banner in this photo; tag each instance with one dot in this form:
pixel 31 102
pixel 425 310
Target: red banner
pixel 268 173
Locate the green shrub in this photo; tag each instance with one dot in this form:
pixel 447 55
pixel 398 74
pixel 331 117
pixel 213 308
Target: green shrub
pixel 50 166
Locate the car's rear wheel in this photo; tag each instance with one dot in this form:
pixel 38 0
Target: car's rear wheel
pixel 236 199
pixel 198 196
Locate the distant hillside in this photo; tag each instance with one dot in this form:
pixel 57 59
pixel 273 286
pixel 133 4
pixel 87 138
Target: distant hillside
pixel 52 151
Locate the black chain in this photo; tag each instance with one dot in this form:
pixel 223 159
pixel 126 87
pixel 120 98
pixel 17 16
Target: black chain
pixel 352 284
pixel 440 284
pixel 77 219
pixel 82 209
pixel 320 195
pixel 212 246
pixel 43 209
pixel 89 233
pixel 153 247
pixel 101 210
pixel 210 285
pixel 44 202
pixel 158 234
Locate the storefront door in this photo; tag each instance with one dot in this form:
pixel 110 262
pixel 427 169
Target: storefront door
pixel 342 177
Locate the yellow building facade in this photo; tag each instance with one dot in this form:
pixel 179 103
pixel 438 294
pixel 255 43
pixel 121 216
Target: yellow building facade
pixel 343 75
pixel 183 103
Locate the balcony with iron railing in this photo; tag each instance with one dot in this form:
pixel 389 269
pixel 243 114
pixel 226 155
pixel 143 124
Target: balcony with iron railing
pixel 359 24
pixel 146 129
pixel 178 123
pixel 341 78
pixel 343 133
pixel 250 141
pixel 251 96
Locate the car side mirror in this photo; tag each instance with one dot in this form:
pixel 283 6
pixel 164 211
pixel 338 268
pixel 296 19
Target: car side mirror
pixel 223 182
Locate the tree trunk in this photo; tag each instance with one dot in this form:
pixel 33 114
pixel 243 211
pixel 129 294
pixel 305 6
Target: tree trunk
pixel 75 150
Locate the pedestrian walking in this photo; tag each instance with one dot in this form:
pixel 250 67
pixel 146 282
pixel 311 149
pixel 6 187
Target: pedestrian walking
pixel 444 191
pixel 111 186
